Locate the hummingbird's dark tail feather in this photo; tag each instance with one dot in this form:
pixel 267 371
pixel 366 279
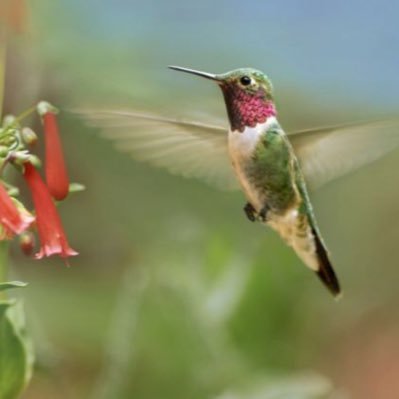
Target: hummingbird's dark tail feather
pixel 326 272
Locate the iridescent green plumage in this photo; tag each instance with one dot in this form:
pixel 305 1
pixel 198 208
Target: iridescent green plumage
pixel 271 169
pixel 277 194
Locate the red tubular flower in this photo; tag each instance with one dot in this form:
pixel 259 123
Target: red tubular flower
pixel 56 173
pixel 51 233
pixel 13 221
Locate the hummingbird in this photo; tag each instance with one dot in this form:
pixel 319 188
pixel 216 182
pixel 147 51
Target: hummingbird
pixel 273 169
pixel 267 168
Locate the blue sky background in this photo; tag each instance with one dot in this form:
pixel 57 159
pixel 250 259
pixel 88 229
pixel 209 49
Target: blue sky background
pixel 340 48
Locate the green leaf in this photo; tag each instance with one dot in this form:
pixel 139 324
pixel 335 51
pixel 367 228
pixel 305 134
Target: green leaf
pixel 16 355
pixel 12 284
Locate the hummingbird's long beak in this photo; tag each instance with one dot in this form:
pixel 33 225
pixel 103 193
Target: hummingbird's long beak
pixel 206 75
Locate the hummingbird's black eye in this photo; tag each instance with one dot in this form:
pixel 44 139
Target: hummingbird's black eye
pixel 245 80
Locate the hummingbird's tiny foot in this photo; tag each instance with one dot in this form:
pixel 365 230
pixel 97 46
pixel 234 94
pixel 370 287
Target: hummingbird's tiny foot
pixel 263 213
pixel 250 212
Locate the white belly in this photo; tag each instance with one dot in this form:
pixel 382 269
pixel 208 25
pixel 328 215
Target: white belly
pixel 241 147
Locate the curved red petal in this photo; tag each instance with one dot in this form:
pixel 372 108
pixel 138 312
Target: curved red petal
pixel 11 218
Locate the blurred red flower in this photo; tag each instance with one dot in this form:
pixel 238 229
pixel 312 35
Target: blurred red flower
pixel 12 220
pixel 13 13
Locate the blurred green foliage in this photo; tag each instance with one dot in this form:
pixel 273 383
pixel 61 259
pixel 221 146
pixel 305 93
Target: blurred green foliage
pixel 16 353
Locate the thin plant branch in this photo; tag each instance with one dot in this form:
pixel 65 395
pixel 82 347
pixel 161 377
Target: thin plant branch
pixel 3 52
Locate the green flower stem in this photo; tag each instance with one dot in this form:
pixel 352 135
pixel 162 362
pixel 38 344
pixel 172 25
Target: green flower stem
pixel 3 260
pixel 3 265
pixel 3 244
pixel 3 49
pixel 25 114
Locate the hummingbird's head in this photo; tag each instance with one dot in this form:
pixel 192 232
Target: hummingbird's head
pixel 248 94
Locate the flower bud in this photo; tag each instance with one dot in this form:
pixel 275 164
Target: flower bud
pixel 43 108
pixel 3 151
pixel 28 136
pixel 35 160
pixel 9 140
pixel 27 242
pixel 9 120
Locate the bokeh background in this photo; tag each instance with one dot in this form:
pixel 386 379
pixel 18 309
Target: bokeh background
pixel 175 295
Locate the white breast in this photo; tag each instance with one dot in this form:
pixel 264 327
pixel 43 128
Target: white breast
pixel 242 144
pixel 241 148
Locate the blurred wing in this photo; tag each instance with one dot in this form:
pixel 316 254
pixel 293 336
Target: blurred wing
pixel 328 153
pixel 186 148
